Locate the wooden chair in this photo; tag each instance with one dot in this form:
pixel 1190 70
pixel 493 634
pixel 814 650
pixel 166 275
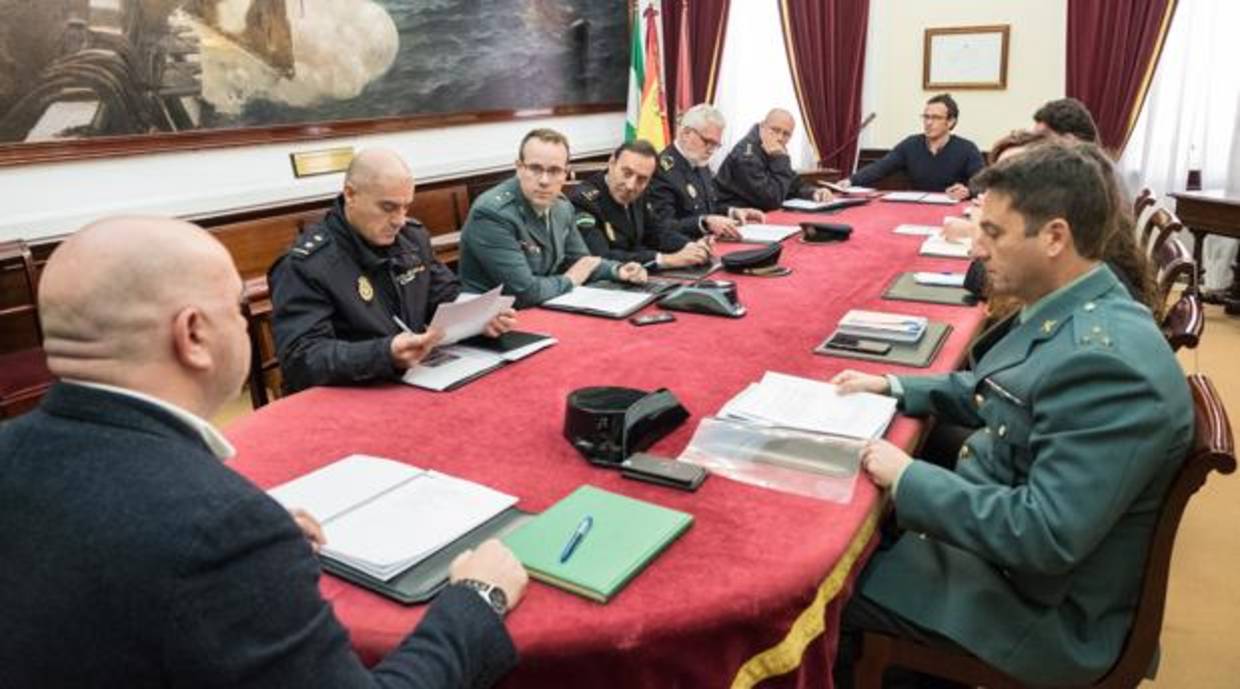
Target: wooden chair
pixel 1161 224
pixel 265 382
pixel 1144 199
pixel 1213 449
pixel 1172 264
pixel 1184 322
pixel 24 376
pixel 443 212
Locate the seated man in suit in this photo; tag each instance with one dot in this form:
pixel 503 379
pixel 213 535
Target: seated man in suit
pixel 1029 554
pixel 520 233
pixel 612 216
pixel 935 160
pixel 345 292
pixel 682 196
pixel 1066 117
pixel 134 557
pixel 758 171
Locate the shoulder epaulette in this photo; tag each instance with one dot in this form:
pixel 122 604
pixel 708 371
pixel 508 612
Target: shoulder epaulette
pixel 667 162
pixel 1090 326
pixel 309 242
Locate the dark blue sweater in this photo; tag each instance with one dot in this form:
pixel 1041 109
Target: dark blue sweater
pixel 957 161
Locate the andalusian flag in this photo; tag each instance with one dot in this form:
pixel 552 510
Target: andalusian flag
pixel 647 112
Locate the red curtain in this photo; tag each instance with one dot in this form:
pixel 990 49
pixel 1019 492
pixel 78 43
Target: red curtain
pixel 1113 46
pixel 707 21
pixel 825 40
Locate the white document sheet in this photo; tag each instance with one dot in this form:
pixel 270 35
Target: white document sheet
pixel 811 405
pixel 936 245
pixel 605 301
pixel 397 522
pixel 939 279
pixel 767 233
pixel 469 314
pixel 919 230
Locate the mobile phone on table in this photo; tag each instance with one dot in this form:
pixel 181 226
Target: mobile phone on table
pixel 652 318
pixel 856 344
pixel 673 473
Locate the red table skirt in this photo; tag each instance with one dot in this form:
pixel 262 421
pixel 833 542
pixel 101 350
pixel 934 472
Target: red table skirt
pixel 752 592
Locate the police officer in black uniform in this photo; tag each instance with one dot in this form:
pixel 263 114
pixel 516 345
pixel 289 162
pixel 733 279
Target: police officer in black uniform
pixel 613 220
pixel 338 292
pixel 682 196
pixel 758 171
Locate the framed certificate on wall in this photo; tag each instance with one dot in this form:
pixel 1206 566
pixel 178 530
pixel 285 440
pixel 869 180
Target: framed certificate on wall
pixel 966 57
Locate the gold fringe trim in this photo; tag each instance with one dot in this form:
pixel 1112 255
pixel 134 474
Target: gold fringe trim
pixel 785 656
pixel 1163 29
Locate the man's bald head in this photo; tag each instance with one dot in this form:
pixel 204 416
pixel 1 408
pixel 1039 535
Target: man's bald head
pixel 116 296
pixel 378 191
pixel 780 117
pixel 776 130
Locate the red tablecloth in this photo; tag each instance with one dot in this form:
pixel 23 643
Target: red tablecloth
pixel 752 591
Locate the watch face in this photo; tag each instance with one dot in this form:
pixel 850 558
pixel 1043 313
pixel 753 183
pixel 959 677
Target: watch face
pixel 499 599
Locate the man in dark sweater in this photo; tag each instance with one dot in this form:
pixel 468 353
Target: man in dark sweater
pixel 133 556
pixel 934 160
pixel 758 171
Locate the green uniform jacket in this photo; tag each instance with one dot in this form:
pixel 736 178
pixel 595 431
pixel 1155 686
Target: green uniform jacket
pixel 504 242
pixel 1031 553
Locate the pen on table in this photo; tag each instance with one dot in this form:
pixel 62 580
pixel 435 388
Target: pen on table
pixel 579 533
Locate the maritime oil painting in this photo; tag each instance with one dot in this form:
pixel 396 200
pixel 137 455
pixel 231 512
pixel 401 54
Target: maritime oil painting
pixel 97 70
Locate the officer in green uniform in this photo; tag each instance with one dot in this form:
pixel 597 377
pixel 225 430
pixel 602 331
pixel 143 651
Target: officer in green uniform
pixel 612 217
pixel 758 171
pixel 1030 554
pixel 682 197
pixel 520 234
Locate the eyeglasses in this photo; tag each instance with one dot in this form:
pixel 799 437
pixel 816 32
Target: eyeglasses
pixel 709 143
pixel 927 117
pixel 537 171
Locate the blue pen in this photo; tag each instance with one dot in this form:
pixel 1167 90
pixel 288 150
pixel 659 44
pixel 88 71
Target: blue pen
pixel 573 541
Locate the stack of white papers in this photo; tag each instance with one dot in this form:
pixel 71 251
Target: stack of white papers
pixel 847 190
pixel 382 517
pixel 604 302
pixel 877 325
pixel 939 279
pixel 469 315
pixel 810 405
pixel 936 245
pixel 918 230
pixel 758 233
pixel 920 197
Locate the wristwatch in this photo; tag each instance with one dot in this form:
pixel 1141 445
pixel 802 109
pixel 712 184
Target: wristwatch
pixel 492 594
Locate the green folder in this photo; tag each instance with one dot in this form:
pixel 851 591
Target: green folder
pixel 626 535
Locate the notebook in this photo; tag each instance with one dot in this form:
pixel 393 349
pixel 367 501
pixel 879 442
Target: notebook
pixel 920 197
pixel 765 234
pixel 596 301
pixel 625 536
pixel 381 516
pixel 936 245
pixel 449 367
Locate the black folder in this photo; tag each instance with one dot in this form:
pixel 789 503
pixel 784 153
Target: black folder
pixel 422 581
pixel 916 354
pixel 905 288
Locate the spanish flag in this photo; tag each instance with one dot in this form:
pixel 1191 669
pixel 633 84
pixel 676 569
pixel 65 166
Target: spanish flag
pixel 647 109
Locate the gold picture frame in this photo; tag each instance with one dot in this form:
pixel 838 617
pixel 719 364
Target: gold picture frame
pixel 966 57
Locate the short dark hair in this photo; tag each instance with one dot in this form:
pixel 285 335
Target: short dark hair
pixel 550 136
pixel 1068 116
pixel 639 146
pixel 953 110
pixel 1018 138
pixel 1057 180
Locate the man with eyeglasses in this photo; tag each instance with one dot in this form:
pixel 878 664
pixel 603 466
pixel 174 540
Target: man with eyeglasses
pixel 520 234
pixel 682 196
pixel 758 171
pixel 338 292
pixel 612 217
pixel 935 160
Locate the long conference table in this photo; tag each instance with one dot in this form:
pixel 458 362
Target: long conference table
pixel 752 593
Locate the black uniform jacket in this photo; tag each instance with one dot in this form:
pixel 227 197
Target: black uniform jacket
pixel 751 177
pixel 334 296
pixel 613 231
pixel 680 195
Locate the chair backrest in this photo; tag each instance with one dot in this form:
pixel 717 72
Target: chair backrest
pixel 1172 263
pixel 1184 322
pixel 1145 198
pixel 265 382
pixel 443 212
pixel 17 261
pixel 1160 226
pixel 1213 449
